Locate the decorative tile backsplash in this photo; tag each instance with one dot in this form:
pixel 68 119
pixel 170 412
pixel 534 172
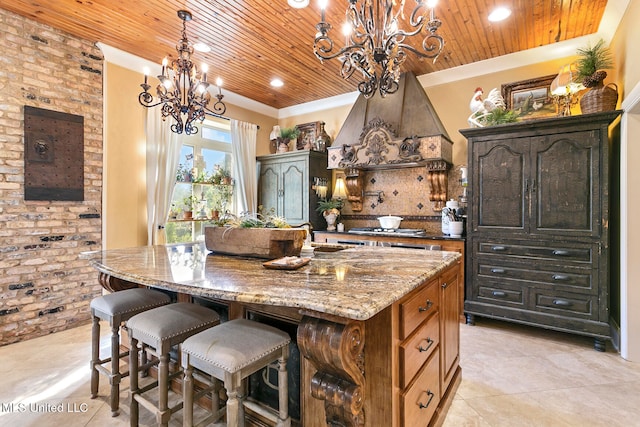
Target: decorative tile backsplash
pixel 404 192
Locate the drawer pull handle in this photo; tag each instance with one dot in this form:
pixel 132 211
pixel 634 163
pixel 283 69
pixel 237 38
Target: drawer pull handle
pixel 559 252
pixel 429 344
pixel 560 277
pixel 422 309
pixel 498 248
pixel 561 302
pixel 497 270
pixel 444 285
pixel 430 396
pixel 500 294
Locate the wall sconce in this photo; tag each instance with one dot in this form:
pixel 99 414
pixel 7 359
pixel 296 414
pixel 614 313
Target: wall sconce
pixel 340 190
pixel 563 87
pixel 321 186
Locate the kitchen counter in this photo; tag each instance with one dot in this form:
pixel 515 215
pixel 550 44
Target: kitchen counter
pixel 355 283
pixel 344 297
pixel 433 242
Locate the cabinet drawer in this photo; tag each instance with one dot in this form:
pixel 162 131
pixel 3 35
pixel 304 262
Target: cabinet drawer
pixel 556 276
pixel 419 402
pixel 418 308
pixel 560 253
pixel 497 294
pixel 581 306
pixel 417 349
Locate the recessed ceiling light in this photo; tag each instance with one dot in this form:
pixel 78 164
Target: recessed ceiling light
pixel 201 47
pixel 298 4
pixel 499 14
pixel 277 83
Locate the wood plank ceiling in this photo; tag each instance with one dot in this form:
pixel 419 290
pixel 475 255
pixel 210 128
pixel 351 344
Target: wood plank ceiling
pixel 254 41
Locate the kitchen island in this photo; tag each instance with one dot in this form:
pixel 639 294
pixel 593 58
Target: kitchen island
pixel 378 327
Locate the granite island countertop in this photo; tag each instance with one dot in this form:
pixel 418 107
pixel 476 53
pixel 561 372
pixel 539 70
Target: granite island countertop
pixel 354 283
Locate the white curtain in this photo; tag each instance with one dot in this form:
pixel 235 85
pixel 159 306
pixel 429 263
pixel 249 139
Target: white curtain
pixel 243 150
pixel 163 154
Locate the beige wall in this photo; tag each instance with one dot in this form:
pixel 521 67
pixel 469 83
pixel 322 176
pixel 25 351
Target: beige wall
pixel 125 215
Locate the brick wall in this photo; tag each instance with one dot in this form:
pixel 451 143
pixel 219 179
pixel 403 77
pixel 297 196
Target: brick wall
pixel 44 287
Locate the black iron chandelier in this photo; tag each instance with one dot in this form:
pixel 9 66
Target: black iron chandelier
pixel 375 45
pixel 183 90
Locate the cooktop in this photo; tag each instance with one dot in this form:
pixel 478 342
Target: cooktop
pixel 388 231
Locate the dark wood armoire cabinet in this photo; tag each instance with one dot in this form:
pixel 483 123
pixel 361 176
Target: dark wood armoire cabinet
pixel 285 185
pixel 538 224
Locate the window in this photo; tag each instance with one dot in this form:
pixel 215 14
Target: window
pixel 203 156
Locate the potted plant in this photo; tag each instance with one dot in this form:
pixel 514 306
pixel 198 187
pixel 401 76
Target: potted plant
pixel 286 136
pixel 183 174
pixel 591 73
pixel 190 203
pixel 220 175
pixel 330 210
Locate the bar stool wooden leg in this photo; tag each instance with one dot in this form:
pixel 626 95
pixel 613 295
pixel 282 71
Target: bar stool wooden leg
pixel 164 414
pixel 133 381
pixel 233 406
pixel 95 356
pixel 187 396
pixel 115 376
pixel 283 390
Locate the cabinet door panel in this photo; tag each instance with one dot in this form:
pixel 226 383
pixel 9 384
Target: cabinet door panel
pixel 269 188
pixel 295 205
pixel 565 193
pixel 499 197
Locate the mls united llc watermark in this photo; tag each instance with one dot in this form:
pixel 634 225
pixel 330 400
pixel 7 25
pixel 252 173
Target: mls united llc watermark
pixel 40 407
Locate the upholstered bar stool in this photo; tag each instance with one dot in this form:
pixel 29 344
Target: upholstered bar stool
pixel 231 352
pixel 161 329
pixel 117 308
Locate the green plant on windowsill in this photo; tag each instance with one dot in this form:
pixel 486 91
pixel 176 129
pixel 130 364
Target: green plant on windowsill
pixel 220 175
pixel 183 174
pixel 190 202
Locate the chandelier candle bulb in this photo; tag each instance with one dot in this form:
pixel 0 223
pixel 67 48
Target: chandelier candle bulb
pixel 323 7
pixel 205 68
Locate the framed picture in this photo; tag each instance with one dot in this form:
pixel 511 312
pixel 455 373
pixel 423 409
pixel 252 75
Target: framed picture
pixel 308 134
pixel 530 98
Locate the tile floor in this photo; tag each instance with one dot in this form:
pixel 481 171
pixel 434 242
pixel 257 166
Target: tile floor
pixel 512 376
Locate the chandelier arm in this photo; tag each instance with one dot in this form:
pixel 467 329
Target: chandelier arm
pixel 345 50
pixel 431 50
pixel 146 100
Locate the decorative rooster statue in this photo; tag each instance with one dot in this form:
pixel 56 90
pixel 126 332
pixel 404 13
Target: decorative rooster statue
pixel 480 108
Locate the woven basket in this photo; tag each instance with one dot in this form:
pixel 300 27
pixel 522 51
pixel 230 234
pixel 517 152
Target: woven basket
pixel 600 98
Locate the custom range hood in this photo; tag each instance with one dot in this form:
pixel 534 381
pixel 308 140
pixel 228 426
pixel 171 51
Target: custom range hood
pixel 400 130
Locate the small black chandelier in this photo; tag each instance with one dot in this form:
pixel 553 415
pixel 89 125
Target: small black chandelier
pixel 183 91
pixel 375 45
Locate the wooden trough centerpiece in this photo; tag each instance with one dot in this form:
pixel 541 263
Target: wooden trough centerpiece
pixel 266 243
